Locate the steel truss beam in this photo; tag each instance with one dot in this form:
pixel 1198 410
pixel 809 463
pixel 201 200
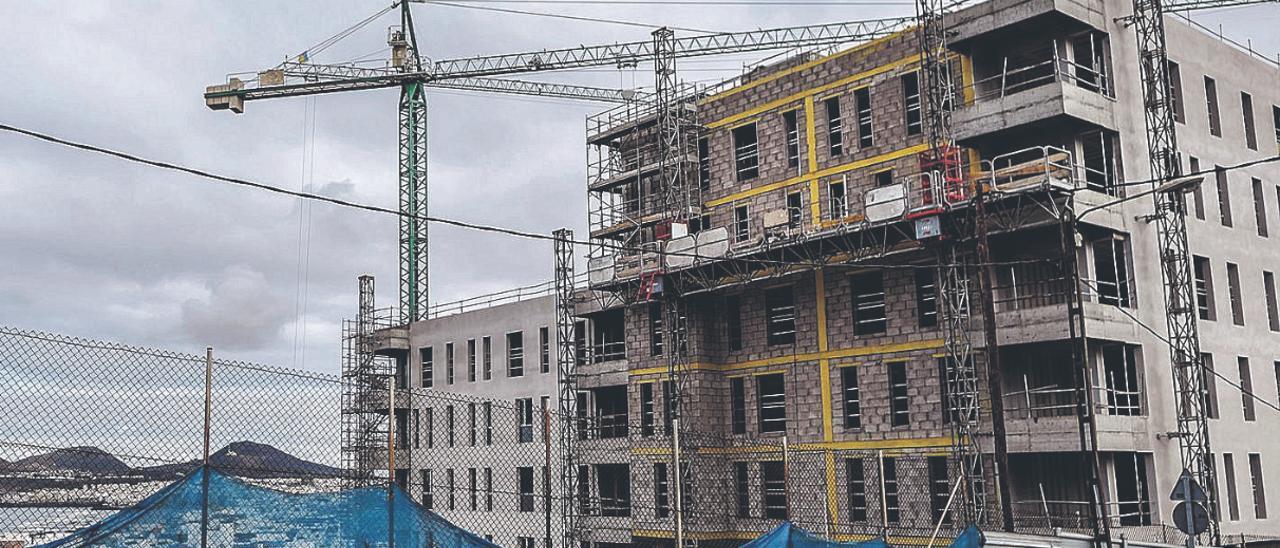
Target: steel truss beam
pixel 630 53
pixel 313 79
pixel 336 78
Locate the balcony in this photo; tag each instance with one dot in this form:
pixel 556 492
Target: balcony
pixel 1042 87
pixel 997 16
pixel 1031 305
pixel 1042 402
pixel 1042 419
pixel 390 341
pixel 1050 492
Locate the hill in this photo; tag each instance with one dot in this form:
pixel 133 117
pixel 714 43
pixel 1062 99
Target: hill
pixel 79 460
pixel 250 460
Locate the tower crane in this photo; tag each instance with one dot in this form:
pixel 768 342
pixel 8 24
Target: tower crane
pixel 411 73
pixel 1189 376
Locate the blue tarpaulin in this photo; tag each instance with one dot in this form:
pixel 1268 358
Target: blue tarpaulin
pixel 243 514
pixel 788 535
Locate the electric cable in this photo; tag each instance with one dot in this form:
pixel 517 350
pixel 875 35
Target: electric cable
pixel 1165 340
pixel 442 220
pixel 569 17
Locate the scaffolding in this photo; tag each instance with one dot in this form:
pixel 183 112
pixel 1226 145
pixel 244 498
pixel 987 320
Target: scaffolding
pixel 366 374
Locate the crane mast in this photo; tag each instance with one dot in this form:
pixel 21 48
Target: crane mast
pixel 1175 258
pixel 940 164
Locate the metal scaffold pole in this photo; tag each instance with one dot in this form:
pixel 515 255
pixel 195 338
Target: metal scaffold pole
pixel 995 374
pixel 942 166
pixel 678 199
pixel 365 417
pixel 208 412
pixel 566 366
pixel 1175 257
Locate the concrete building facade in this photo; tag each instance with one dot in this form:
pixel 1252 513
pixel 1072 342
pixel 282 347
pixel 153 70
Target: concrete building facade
pixel 849 357
pixel 816 383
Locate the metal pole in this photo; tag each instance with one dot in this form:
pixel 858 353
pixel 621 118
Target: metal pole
pixel 391 460
pixel 204 479
pixel 679 481
pixel 786 473
pixel 884 499
pixel 995 373
pixel 546 474
pixel 1083 378
pixel 1187 510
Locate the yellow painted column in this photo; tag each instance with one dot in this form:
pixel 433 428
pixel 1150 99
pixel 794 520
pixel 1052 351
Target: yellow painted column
pixel 811 143
pixel 824 376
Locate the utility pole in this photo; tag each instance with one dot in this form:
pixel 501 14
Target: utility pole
pixel 391 461
pixel 204 472
pixel 995 374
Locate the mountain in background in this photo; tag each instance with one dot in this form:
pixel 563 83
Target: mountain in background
pixel 250 460
pixel 78 460
pixel 242 458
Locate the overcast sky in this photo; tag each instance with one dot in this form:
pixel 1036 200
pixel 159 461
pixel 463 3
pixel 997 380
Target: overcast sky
pixel 95 247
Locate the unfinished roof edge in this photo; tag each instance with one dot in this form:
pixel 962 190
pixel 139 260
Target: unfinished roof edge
pixel 789 65
pixel 995 15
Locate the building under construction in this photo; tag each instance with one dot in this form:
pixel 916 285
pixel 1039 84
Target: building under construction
pixel 792 294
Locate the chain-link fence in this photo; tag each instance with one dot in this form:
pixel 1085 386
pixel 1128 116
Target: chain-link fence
pixel 90 428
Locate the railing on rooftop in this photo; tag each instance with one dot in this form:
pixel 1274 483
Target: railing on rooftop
pixel 1244 48
pixel 506 296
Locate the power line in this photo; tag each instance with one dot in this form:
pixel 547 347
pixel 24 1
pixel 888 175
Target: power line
pixel 570 17
pixel 1165 340
pixel 699 2
pixel 446 221
pixel 1151 191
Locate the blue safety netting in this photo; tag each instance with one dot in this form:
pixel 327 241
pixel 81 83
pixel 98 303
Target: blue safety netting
pixel 243 514
pixel 788 535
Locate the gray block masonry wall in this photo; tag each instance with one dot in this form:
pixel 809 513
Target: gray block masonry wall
pixel 1084 99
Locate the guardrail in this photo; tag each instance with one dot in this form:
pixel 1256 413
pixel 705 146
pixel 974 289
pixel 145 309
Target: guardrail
pixel 1010 81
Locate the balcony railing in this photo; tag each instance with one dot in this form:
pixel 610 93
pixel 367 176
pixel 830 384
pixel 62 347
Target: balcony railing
pixel 1029 285
pixel 1048 513
pixel 608 351
pixel 602 426
pixel 1053 400
pixel 1034 285
pixel 1009 81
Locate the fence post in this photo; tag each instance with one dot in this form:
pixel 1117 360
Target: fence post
pixel 678 480
pixel 884 499
pixel 546 470
pixel 204 481
pixel 391 460
pixel 786 476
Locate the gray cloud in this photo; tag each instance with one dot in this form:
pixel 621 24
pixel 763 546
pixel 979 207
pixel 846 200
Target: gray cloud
pixel 95 247
pixel 241 311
